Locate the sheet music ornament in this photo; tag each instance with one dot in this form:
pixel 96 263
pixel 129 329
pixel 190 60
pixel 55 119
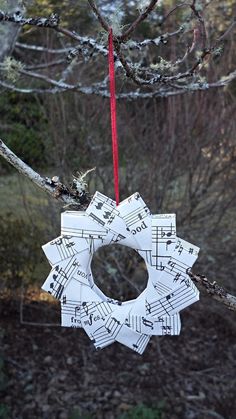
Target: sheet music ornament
pixel 169 289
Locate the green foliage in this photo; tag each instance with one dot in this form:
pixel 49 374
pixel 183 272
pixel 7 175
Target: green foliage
pixel 27 145
pixel 25 127
pixel 143 412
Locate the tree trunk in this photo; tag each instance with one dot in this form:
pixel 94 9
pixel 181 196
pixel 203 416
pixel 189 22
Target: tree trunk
pixel 9 33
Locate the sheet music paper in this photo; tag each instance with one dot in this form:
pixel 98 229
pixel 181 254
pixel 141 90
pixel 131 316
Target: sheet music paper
pixel 138 220
pixel 168 260
pixel 104 212
pixel 64 247
pixel 163 230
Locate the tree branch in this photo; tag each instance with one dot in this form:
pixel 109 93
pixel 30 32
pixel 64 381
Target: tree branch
pixel 214 290
pixel 132 27
pixel 139 19
pixel 162 39
pixel 173 10
pixel 140 75
pixel 97 13
pixel 51 22
pixel 99 89
pixel 38 48
pixel 53 187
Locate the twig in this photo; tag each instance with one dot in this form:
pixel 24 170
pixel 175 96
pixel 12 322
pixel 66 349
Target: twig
pixel 38 48
pixel 132 27
pixel 201 24
pixel 45 65
pixel 139 19
pixel 173 10
pixel 97 13
pixel 51 22
pixel 132 45
pixel 214 290
pixel 228 31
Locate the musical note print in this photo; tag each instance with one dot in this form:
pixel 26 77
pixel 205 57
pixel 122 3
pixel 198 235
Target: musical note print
pixel 100 208
pixel 94 315
pixel 173 303
pixel 138 220
pixel 70 313
pixel 63 248
pixel 168 260
pixel 111 219
pixel 78 224
pixel 60 276
pixel 155 326
pixel 163 241
pixel 176 270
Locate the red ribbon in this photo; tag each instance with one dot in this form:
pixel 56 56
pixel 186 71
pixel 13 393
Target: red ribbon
pixel 113 116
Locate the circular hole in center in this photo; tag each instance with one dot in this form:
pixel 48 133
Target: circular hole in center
pixel 119 271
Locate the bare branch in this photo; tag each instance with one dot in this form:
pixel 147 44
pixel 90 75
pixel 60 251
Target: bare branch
pixel 174 9
pixel 51 22
pixel 99 89
pixel 93 44
pixel 61 87
pixel 139 19
pixel 202 28
pixel 52 187
pixel 175 78
pixel 162 39
pixel 97 13
pixel 60 84
pixel 140 75
pixel 45 65
pixel 214 290
pixel 38 48
pixel 228 31
pixel 132 27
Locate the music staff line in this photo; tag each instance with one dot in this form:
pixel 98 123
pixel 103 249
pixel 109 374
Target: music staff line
pixel 173 302
pixel 135 216
pixel 170 323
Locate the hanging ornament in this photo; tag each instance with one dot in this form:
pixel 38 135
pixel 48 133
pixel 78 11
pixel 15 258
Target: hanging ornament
pixel 169 289
pixel 168 259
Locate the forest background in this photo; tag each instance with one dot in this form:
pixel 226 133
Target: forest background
pixel 179 153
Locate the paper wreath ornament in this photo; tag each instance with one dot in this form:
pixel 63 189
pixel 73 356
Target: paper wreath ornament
pixel 169 289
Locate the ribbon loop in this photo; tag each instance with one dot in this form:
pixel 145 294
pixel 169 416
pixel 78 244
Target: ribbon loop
pixel 113 116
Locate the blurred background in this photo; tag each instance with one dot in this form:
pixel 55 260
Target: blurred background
pixel 179 153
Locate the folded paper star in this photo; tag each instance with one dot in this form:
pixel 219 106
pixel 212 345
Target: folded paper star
pixel 168 258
